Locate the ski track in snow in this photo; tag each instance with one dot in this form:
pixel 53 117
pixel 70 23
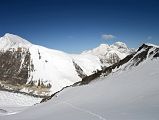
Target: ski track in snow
pixel 11 113
pixel 84 110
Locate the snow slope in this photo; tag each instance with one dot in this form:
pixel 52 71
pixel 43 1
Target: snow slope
pixel 131 94
pixel 11 103
pixel 54 67
pixel 14 99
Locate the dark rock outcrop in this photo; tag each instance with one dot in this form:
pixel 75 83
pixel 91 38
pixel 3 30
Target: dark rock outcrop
pixel 79 70
pixel 14 67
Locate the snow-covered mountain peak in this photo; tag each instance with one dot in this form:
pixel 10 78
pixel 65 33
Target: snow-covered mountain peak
pixel 100 49
pixel 120 45
pixel 10 41
pixel 103 46
pixel 108 54
pixel 147 46
pixel 144 54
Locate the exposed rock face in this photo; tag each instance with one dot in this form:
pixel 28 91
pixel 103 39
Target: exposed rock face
pixel 14 67
pixel 79 70
pixel 141 55
pixel 113 58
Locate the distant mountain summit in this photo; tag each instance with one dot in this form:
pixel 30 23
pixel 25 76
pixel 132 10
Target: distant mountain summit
pixel 110 54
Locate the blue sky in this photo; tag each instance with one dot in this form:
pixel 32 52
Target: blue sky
pixel 76 25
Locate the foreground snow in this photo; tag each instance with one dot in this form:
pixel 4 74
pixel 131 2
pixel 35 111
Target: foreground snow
pixel 11 103
pixel 127 95
pixel 16 99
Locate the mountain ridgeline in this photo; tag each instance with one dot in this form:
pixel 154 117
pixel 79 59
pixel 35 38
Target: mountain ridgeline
pixel 41 72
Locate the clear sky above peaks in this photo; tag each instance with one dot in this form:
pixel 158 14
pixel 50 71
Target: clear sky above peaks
pixel 76 25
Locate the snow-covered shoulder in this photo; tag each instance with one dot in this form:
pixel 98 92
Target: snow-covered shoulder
pixel 153 45
pixel 89 63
